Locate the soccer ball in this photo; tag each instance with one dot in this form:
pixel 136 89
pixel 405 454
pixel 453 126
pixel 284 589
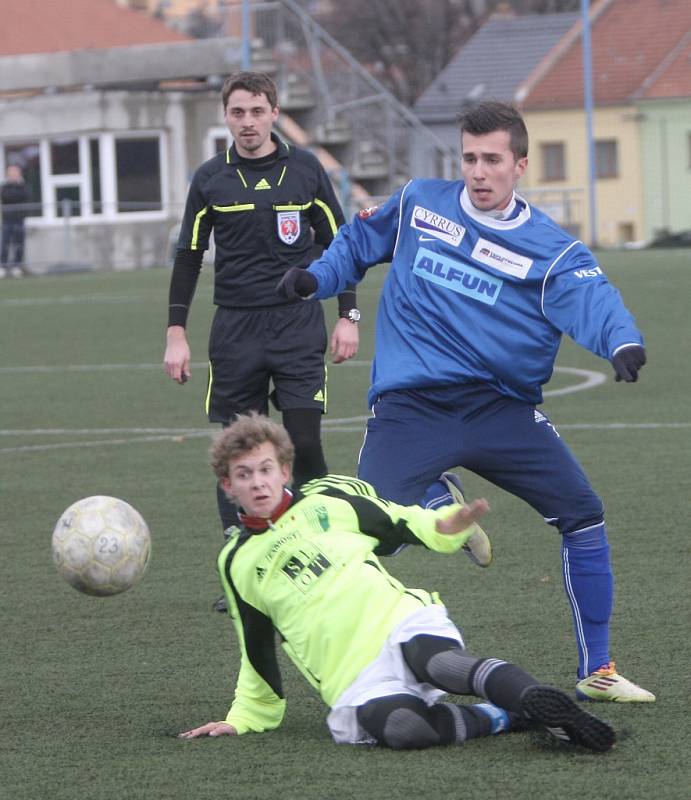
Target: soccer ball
pixel 101 545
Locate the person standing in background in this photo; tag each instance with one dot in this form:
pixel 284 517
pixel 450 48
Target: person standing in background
pixel 14 199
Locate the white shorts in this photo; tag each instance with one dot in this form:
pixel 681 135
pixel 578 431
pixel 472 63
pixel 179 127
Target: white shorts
pixel 389 674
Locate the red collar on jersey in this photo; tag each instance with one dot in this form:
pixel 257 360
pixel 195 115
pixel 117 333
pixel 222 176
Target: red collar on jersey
pixel 262 523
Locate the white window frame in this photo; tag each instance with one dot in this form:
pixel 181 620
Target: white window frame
pixel 109 198
pixel 217 132
pixel 51 182
pixel 108 170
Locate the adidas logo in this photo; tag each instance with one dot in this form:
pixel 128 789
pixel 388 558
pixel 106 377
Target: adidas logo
pixel 262 184
pixel 540 417
pixel 260 573
pixel 603 684
pixel 560 733
pixel 319 396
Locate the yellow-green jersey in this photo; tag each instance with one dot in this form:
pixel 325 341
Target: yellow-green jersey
pixel 313 580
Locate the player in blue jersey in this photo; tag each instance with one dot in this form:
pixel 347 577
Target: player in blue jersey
pixel 480 290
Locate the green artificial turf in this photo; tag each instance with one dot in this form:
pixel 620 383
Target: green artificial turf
pixel 94 690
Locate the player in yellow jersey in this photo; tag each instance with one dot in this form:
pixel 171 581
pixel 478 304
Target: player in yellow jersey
pixel 381 655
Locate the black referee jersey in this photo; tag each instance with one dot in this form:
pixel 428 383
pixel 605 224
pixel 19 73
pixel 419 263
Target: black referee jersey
pixel 262 212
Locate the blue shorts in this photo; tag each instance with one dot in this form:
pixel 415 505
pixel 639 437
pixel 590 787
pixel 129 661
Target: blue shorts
pixel 415 435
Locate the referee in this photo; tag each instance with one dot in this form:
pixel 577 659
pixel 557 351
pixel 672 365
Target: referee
pixel 267 204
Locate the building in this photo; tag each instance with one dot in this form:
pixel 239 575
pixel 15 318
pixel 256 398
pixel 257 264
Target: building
pixel 642 99
pixel 492 65
pixel 106 167
pixel 663 103
pixel 110 111
pixel 642 115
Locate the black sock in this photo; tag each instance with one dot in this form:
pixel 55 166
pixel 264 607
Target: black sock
pixel 505 684
pixel 304 427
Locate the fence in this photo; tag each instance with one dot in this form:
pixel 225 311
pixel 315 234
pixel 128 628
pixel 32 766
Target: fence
pixel 565 206
pixel 59 239
pixel 132 236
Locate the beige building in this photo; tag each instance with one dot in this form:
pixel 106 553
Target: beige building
pixel 641 119
pixel 557 174
pixel 625 58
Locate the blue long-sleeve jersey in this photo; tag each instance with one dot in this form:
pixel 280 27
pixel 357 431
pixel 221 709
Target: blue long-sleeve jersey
pixel 473 298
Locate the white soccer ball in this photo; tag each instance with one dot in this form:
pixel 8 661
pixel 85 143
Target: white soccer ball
pixel 101 545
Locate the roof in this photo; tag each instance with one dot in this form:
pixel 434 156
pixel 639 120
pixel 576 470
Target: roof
pixel 672 78
pixel 34 26
pixel 630 41
pixel 493 63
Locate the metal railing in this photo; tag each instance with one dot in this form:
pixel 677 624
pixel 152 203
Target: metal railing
pixel 566 206
pixel 346 109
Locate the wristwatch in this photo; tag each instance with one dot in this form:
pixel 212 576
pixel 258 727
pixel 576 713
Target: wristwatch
pixel 353 315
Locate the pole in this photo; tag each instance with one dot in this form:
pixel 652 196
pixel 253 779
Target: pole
pixel 588 99
pixel 246 57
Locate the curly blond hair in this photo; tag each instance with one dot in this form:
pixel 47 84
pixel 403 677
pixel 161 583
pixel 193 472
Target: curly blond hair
pixel 248 432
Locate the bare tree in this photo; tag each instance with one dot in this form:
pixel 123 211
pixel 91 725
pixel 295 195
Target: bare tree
pixel 406 43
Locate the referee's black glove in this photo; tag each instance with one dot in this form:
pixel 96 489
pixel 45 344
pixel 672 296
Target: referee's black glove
pixel 627 362
pixel 297 282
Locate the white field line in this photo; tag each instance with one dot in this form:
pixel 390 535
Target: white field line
pixel 38 370
pixel 344 425
pixel 105 431
pixel 29 448
pixel 589 380
pixel 69 300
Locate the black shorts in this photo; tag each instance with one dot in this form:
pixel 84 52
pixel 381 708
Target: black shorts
pixel 249 350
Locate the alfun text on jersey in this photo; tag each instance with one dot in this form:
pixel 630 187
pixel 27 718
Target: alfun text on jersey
pixel 473 298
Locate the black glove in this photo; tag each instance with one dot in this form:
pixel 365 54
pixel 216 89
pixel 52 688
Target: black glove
pixel 627 362
pixel 297 282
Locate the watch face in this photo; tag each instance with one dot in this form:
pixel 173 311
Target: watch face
pixel 354 315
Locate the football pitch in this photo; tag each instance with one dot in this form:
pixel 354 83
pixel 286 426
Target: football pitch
pixel 95 689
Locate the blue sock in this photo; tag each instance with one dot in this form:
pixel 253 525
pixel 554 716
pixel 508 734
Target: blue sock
pixel 499 719
pixel 436 496
pixel 589 585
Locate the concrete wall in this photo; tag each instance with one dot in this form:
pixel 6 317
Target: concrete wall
pixel 111 241
pixel 73 245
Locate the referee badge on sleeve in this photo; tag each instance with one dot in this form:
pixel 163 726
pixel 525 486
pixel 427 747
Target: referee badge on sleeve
pixel 288 226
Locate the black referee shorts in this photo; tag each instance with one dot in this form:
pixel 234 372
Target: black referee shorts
pixel 252 350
